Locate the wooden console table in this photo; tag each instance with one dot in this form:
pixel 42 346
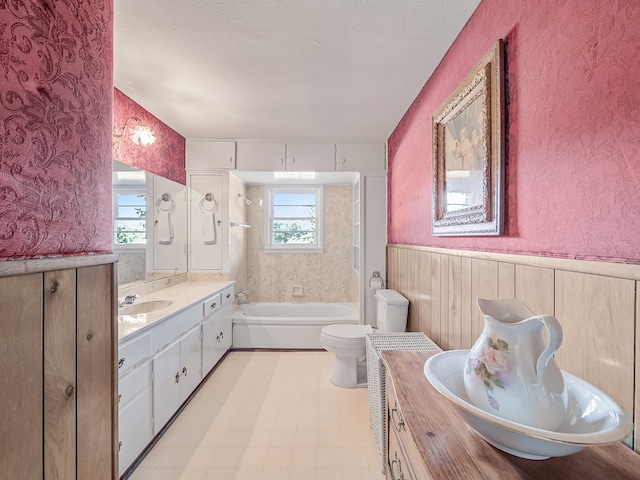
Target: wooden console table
pixel 434 441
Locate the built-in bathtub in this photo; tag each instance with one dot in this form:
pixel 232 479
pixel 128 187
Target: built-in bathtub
pixel 287 325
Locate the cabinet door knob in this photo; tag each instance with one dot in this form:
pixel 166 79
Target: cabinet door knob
pixel 184 371
pixel 120 363
pixel 178 377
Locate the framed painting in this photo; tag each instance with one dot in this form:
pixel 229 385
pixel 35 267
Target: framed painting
pixel 468 153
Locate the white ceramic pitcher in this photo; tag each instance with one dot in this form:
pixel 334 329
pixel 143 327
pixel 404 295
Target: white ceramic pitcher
pixel 510 370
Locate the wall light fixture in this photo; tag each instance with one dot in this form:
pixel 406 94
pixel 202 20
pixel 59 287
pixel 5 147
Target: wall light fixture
pixel 140 134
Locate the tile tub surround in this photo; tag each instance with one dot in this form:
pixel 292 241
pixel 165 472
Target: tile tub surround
pixel 181 295
pixel 268 415
pixel 324 277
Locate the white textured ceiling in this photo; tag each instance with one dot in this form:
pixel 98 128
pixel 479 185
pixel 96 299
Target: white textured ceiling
pixel 288 69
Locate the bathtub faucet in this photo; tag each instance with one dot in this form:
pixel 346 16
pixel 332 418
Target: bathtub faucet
pixel 241 296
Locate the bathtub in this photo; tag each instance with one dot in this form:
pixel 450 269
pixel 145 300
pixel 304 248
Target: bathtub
pixel 287 325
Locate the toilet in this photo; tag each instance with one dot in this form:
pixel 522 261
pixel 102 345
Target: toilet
pixel 347 342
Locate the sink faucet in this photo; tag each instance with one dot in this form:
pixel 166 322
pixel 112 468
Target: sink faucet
pixel 128 300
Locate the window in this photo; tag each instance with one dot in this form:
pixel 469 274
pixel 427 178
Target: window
pixel 129 217
pixel 294 219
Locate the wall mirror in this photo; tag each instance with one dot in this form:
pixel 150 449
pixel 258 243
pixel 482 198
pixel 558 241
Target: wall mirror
pixel 139 219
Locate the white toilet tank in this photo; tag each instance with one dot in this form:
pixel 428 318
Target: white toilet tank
pixel 392 311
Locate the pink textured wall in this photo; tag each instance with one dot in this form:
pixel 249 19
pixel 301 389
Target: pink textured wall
pixel 573 131
pixel 56 92
pixel 165 157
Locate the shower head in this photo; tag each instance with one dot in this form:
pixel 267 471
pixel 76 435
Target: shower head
pixel 246 200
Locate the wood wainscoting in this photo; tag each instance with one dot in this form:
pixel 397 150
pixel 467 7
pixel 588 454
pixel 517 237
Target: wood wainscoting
pixel 596 303
pixel 58 390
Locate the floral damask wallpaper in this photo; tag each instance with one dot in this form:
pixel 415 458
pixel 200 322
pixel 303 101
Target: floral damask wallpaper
pixel 165 157
pixel 56 94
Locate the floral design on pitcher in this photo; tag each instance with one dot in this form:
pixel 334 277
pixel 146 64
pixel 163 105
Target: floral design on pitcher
pixel 489 363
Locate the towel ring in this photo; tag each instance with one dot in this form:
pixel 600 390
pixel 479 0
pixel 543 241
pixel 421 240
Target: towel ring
pixel 210 199
pixel 166 198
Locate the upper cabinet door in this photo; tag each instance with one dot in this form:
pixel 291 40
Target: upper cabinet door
pixel 168 207
pixel 311 157
pixel 358 157
pixel 208 222
pixel 210 154
pixel 261 156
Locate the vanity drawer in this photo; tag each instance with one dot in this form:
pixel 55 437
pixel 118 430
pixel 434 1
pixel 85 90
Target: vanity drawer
pixel 398 429
pixel 226 297
pixel 397 467
pixel 133 383
pixel 133 352
pixel 211 305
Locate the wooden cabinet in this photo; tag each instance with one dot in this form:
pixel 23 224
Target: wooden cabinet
pixel 176 374
pixel 358 157
pixel 311 157
pixel 205 154
pixel 428 438
pixel 403 451
pixel 208 222
pixel 58 390
pixel 261 156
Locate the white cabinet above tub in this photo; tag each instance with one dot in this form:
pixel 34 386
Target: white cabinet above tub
pixel 206 154
pixel 261 156
pixel 359 157
pixel 311 157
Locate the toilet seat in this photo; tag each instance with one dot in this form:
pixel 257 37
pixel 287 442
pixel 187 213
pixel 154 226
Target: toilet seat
pixel 344 331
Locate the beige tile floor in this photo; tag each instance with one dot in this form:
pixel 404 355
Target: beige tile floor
pixel 268 415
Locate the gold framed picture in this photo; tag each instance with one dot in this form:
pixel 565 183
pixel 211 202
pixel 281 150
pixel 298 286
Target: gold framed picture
pixel 468 153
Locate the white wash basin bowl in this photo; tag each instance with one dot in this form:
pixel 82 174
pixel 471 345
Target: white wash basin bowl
pixel 144 307
pixel 593 417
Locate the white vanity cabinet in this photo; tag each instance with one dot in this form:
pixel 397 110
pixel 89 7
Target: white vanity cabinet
pixel 216 330
pixel 176 373
pixel 135 414
pixel 205 154
pixel 134 398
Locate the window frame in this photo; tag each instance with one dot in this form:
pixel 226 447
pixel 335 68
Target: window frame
pixel 270 191
pixel 128 190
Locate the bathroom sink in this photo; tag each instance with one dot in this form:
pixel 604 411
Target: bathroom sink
pixel 144 307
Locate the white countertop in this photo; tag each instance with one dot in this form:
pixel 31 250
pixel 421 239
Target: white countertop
pixel 182 296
